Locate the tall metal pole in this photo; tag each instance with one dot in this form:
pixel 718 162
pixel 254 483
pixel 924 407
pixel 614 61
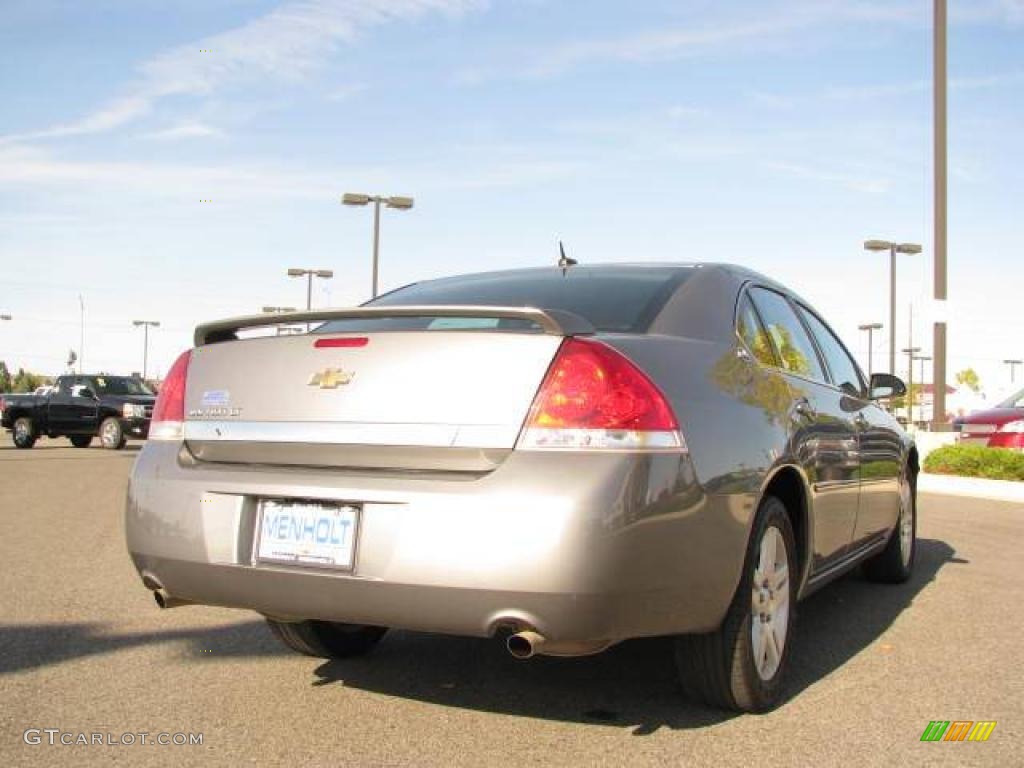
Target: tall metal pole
pixel 376 242
pixel 870 331
pixel 892 309
pixel 145 350
pixel 81 336
pixel 939 106
pixel 309 290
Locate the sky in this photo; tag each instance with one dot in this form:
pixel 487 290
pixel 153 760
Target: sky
pixel 170 160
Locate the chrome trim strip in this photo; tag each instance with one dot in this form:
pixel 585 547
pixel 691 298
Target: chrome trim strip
pixel 353 433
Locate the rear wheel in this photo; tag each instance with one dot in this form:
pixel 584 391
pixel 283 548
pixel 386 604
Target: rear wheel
pixel 24 432
pixel 111 434
pixel 895 563
pixel 327 639
pixel 81 441
pixel 742 664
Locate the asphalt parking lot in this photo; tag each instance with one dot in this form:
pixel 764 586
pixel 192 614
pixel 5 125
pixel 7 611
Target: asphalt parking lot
pixel 84 649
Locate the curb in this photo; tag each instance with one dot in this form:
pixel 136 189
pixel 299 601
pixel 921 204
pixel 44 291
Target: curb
pixel 951 485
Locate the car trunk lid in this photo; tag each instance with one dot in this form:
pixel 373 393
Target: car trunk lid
pixel 420 400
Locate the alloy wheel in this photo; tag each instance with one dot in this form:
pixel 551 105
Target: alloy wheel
pixel 769 619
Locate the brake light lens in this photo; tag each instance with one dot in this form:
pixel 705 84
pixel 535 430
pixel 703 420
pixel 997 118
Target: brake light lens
pixel 169 412
pixel 594 397
pixel 1009 435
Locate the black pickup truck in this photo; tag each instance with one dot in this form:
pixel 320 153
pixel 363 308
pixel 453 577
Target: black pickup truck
pixel 80 408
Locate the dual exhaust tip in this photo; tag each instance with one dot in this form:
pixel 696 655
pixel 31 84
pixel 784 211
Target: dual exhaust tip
pixel 522 645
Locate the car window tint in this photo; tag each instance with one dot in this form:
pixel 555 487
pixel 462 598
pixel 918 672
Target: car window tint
pixel 613 299
pixel 792 344
pixel 842 368
pixel 749 327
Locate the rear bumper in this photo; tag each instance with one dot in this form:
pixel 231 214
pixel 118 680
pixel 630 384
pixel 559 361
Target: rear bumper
pixel 597 547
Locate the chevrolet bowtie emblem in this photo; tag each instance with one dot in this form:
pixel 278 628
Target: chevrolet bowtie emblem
pixel 330 378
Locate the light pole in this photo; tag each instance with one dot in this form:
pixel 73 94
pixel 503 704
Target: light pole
pixel 893 248
pixel 326 274
pixel 922 359
pixel 399 203
pixel 278 311
pixel 146 325
pixel 870 328
pixel 910 352
pixel 81 336
pixel 939 83
pixel 1013 368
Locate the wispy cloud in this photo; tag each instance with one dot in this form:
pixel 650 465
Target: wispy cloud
pixel 27 167
pixel 186 129
pixel 286 44
pixel 881 90
pixel 859 182
pixel 734 28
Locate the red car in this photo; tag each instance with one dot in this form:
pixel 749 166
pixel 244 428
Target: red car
pixel 999 427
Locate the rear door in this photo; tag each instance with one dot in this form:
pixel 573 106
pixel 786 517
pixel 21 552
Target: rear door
pixel 879 440
pixel 62 406
pixel 823 433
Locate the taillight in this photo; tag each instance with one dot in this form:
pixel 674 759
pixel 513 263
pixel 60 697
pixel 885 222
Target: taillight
pixel 1009 435
pixel 593 397
pixel 169 412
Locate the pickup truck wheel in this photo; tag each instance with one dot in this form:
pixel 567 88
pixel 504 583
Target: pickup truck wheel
pixel 24 432
pixel 81 441
pixel 741 666
pixel 327 639
pixel 111 434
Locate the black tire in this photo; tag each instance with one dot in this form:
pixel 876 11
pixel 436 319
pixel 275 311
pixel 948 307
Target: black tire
pixel 111 435
pixel 327 639
pixel 24 432
pixel 892 565
pixel 718 668
pixel 81 441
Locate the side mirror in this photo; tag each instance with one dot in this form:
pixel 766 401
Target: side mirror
pixel 87 392
pixel 885 385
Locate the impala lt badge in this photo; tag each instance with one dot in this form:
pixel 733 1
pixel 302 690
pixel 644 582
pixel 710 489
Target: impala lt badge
pixel 330 378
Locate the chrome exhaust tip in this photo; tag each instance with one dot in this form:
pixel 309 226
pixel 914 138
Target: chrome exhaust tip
pixel 523 645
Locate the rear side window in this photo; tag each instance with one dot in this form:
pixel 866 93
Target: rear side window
pixel 749 327
pixel 612 299
pixel 844 371
pixel 792 344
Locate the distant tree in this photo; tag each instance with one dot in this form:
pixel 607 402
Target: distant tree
pixel 5 378
pixel 27 382
pixel 969 378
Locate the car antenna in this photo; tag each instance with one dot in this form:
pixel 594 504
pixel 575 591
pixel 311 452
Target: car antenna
pixel 565 261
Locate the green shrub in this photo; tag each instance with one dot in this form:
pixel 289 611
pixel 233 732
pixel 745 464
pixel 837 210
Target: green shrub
pixel 976 461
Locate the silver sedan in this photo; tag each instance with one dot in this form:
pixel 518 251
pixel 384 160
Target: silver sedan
pixel 565 457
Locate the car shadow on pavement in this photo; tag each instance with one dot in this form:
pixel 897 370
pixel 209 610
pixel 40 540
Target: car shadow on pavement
pixel 633 684
pixel 30 646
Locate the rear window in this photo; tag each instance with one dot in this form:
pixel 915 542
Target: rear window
pixel 612 299
pixel 118 385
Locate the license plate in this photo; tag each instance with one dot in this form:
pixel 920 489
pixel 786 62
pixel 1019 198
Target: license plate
pixel 307 533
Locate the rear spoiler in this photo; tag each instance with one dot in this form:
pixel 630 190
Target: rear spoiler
pixel 555 322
